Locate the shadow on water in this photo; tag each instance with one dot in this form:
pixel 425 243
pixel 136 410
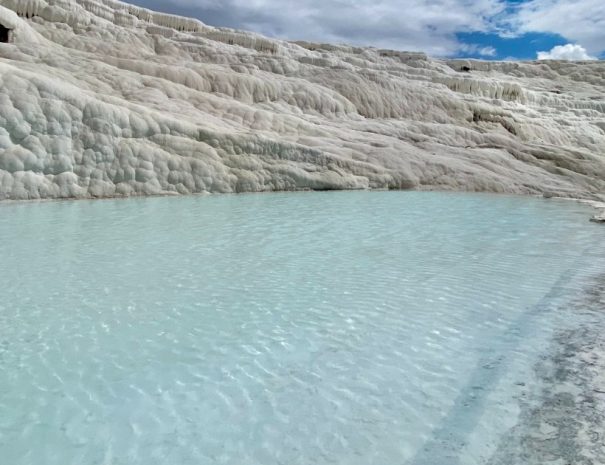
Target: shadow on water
pixel 567 414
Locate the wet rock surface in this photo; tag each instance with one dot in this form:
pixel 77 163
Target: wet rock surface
pixel 563 419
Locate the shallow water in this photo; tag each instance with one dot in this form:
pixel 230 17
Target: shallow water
pixel 327 328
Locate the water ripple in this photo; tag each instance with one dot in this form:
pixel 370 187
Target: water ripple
pixel 344 328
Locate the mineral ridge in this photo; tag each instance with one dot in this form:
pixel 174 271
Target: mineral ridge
pixel 100 98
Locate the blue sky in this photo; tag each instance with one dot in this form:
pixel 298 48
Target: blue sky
pixel 487 29
pixel 522 47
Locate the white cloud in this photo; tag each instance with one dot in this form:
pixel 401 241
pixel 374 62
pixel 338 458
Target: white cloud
pixel 431 26
pixel 579 21
pixel 572 52
pixel 474 49
pixel 487 51
pixel 423 25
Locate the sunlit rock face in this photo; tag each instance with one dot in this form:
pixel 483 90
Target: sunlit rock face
pixel 100 98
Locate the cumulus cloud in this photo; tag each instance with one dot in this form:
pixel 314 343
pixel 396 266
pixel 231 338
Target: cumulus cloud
pixel 580 21
pixel 423 25
pixel 573 52
pixel 431 26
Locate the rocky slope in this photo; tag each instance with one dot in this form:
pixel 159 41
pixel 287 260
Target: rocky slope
pixel 99 98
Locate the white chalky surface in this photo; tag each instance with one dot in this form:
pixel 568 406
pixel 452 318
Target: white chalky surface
pixel 100 99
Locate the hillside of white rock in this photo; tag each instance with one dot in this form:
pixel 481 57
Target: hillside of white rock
pixel 99 98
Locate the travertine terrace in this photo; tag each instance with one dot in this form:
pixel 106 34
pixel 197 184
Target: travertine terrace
pixel 99 98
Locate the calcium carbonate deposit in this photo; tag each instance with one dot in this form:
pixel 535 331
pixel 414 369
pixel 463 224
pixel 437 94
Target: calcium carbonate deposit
pixel 99 98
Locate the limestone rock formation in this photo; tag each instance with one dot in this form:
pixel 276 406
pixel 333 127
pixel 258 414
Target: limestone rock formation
pixel 99 98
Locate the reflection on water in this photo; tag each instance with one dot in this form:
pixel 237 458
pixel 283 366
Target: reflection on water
pixel 347 328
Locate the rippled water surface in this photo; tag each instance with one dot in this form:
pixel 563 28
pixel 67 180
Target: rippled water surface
pixel 330 328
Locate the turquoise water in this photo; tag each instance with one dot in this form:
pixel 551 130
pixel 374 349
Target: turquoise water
pixel 313 328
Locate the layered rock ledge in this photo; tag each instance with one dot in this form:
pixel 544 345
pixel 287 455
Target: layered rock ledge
pixel 99 98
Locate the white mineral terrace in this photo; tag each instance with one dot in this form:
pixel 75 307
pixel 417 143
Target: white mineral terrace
pixel 99 98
